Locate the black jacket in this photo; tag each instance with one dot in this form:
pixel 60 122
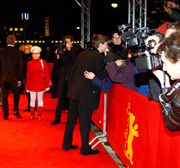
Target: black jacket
pixel 11 64
pixel 62 69
pixel 82 89
pixel 171 112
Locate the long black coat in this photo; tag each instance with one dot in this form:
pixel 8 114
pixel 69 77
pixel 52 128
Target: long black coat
pixel 82 89
pixel 11 64
pixel 61 71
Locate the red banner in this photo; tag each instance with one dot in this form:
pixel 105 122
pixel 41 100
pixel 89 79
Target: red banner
pixel 50 67
pixel 136 130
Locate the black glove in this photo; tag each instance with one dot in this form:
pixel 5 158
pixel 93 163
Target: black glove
pixel 109 58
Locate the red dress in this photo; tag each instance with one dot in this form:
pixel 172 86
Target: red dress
pixel 37 77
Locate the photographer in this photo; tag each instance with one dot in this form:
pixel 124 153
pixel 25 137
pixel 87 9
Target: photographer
pixel 173 9
pixel 65 57
pixel 170 97
pixel 163 31
pixel 170 28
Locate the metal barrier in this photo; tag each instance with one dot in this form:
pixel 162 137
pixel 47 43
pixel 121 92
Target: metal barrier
pixel 104 135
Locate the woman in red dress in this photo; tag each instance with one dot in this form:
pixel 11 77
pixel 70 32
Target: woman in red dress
pixel 37 80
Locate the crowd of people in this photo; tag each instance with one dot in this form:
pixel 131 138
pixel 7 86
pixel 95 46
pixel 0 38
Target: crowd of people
pixel 78 74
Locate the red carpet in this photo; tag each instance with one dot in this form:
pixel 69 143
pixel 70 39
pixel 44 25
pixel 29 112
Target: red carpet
pixel 33 144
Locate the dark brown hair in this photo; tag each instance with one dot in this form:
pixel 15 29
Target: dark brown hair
pixel 171 47
pixel 68 37
pixel 174 25
pixel 97 39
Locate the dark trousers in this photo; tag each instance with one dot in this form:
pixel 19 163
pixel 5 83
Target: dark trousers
pixel 59 109
pixel 62 102
pixel 6 86
pixel 85 114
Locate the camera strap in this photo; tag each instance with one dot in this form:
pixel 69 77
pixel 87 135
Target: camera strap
pixel 171 91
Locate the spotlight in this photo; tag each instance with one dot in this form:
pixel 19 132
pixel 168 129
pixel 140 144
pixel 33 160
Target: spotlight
pixel 114 5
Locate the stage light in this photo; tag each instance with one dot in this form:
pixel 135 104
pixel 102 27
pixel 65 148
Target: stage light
pixel 114 5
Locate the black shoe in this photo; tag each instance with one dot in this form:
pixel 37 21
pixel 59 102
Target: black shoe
pixel 55 122
pixel 16 113
pixel 71 147
pixel 28 109
pixel 5 118
pixel 92 152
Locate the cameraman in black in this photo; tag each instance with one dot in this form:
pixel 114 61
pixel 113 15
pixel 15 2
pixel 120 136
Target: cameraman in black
pixel 170 96
pixel 66 55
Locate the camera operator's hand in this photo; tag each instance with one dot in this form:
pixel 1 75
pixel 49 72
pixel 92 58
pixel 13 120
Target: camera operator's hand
pixel 57 55
pixel 160 75
pixel 153 37
pixel 157 41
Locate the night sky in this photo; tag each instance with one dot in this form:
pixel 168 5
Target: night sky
pixel 64 15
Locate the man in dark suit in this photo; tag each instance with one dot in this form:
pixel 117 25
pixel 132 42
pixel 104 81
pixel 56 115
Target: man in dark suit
pixel 11 75
pixel 61 75
pixel 84 96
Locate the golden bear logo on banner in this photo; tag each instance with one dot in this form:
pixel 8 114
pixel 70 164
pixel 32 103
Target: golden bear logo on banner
pixel 129 133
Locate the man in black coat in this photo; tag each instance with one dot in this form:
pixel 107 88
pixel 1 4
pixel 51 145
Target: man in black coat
pixel 61 74
pixel 11 75
pixel 84 96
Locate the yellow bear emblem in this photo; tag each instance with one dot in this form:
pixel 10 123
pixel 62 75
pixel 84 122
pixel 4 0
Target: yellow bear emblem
pixel 130 132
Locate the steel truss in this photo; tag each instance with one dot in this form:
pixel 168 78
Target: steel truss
pixel 137 13
pixel 85 21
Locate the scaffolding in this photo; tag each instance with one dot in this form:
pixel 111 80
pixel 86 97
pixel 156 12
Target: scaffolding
pixel 137 17
pixel 137 13
pixel 85 21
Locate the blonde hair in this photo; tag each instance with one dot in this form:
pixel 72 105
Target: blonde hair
pixel 29 46
pixel 22 47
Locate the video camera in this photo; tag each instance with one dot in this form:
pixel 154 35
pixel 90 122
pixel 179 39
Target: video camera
pixel 61 48
pixel 136 42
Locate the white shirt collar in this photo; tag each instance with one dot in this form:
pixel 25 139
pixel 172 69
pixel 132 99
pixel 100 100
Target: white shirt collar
pixel 10 45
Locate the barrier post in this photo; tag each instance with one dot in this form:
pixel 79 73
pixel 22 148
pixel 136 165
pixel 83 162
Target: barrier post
pixel 104 135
